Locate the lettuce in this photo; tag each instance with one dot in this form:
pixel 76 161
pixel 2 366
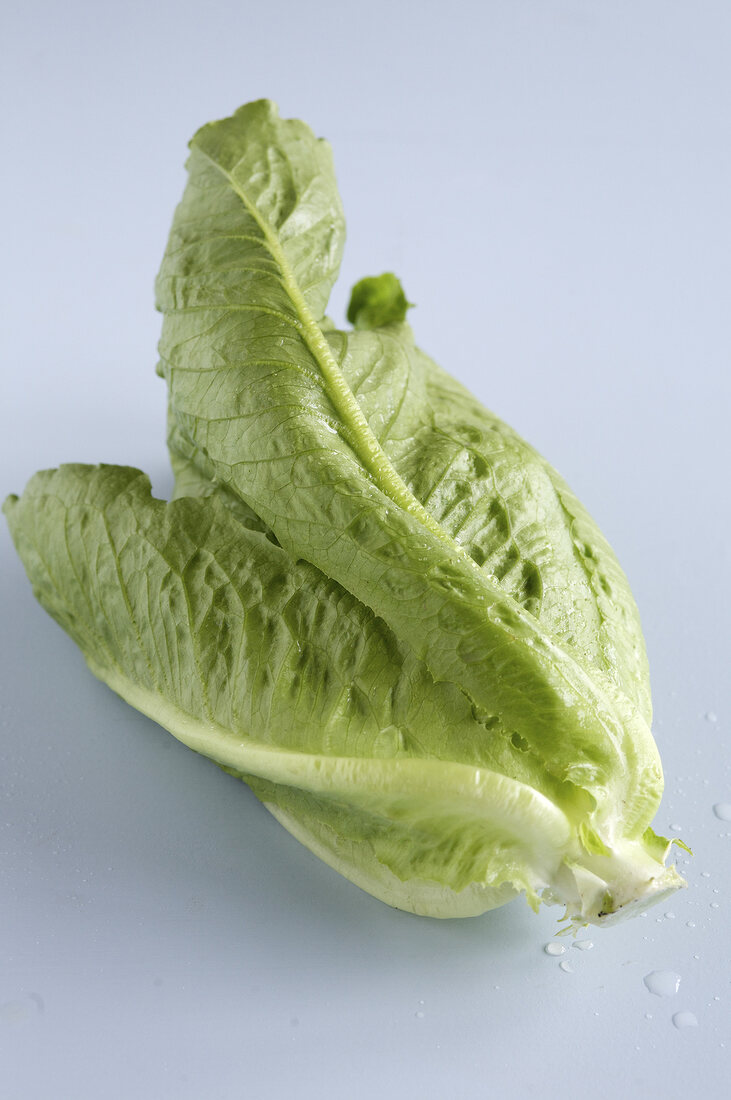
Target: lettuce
pixel 370 599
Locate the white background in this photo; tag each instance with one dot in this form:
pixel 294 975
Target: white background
pixel 551 181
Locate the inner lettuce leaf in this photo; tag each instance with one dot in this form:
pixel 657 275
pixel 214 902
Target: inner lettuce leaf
pixel 370 598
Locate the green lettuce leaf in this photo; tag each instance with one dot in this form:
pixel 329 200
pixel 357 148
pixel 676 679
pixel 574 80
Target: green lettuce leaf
pixel 370 598
pixel 215 632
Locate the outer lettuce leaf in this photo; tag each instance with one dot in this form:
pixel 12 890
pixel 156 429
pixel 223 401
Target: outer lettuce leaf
pixel 282 677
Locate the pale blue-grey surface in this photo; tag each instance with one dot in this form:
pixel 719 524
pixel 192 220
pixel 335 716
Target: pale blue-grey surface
pixel 551 181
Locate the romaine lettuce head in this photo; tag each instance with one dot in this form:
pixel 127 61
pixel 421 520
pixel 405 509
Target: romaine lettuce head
pixel 370 598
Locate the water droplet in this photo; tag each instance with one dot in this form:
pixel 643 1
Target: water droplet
pixel 565 966
pixel 670 916
pixel 722 810
pixel 685 1019
pixel 715 905
pixel 677 828
pixel 690 924
pixel 554 949
pixel 663 983
pixel 420 1015
pixel 583 945
pixel 648 1015
pixel 711 716
pixel 705 874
